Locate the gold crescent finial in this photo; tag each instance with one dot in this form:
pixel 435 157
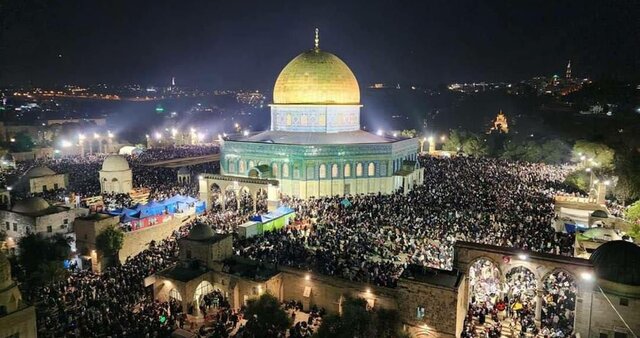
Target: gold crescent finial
pixel 317 39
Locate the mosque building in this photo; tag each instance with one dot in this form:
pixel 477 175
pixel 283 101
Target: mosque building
pixel 315 146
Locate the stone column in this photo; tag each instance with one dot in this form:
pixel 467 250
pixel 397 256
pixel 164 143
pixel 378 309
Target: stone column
pixel 255 201
pixel 538 306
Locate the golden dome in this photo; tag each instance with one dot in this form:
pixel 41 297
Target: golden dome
pixel 316 77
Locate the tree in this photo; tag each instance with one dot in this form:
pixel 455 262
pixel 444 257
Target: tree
pixel 632 214
pixel 628 186
pixel 23 142
pixel 598 152
pixel 474 145
pixel 634 232
pixel 265 317
pixel 454 142
pixel 555 152
pixel 357 321
pixel 408 133
pixel 579 180
pixel 109 241
pixel 42 258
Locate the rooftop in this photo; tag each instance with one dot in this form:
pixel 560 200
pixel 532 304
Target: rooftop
pixel 247 268
pixel 181 273
pixel 210 240
pixel 449 279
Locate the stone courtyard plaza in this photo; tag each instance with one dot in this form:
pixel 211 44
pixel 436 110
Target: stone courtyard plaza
pixel 315 146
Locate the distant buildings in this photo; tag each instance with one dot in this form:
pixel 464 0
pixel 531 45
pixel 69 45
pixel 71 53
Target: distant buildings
pixel 500 124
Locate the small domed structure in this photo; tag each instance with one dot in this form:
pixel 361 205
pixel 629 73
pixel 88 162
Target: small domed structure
pixel 31 205
pixel 39 172
pixel 617 262
pixel 115 163
pixel 116 176
pixel 200 231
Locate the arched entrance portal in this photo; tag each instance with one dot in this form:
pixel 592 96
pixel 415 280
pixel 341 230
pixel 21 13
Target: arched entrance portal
pixel 559 303
pixel 246 200
pixel 203 289
pixel 485 284
pixel 261 200
pixel 216 197
pixel 230 199
pixel 521 294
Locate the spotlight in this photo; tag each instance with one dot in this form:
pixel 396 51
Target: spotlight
pixel 523 257
pixel 588 276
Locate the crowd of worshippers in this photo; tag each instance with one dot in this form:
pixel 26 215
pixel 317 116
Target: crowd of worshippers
pixel 114 303
pixel 369 239
pixel 373 237
pixel 83 178
pixel 173 152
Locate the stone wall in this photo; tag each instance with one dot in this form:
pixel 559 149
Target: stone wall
pixel 329 292
pixel 49 182
pixel 136 241
pixel 21 322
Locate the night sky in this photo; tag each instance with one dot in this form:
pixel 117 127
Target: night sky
pixel 244 44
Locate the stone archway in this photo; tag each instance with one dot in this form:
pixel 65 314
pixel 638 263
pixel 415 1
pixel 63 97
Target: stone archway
pixel 232 188
pixel 485 281
pixel 230 198
pixel 559 301
pixel 175 295
pixel 260 200
pixel 203 289
pixel 246 202
pixel 216 198
pixel 521 291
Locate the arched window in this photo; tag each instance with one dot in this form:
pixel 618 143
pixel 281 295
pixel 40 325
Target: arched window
pixel 274 169
pixel 251 164
pixel 347 170
pixel 289 118
pixel 242 167
pixel 285 170
pixel 334 170
pixel 359 169
pixel 303 120
pixel 323 171
pixel 371 171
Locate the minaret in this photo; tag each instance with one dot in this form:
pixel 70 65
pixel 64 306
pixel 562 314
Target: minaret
pixel 173 81
pixel 568 74
pixel 317 39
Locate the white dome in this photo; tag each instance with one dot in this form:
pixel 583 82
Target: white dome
pixel 115 163
pixel 30 205
pixel 39 172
